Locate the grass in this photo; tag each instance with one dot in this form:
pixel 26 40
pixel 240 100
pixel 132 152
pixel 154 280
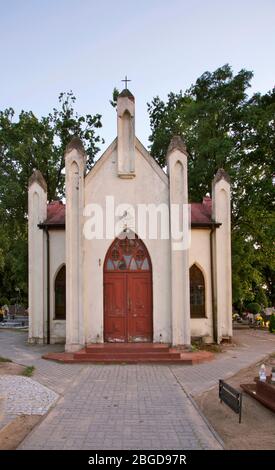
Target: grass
pixel 28 371
pixel 5 359
pixel 200 346
pixel 215 348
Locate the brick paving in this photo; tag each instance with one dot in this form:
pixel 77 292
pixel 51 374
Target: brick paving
pixel 123 407
pixel 255 346
pixel 129 406
pixel 13 345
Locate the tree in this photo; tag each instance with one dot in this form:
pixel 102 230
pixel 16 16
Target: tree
pixel 40 143
pixel 223 127
pixel 209 116
pixel 272 323
pixel 26 144
pixel 254 308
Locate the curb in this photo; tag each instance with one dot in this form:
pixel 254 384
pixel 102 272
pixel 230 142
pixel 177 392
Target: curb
pixel 208 424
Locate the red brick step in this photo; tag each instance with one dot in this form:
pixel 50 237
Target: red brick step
pixel 127 347
pixel 131 353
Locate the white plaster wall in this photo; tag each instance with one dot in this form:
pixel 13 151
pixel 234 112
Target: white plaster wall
pixel 57 259
pixel 37 210
pixel 222 214
pixel 75 168
pixel 200 254
pixel 223 247
pixel 147 187
pixel 180 289
pixel 45 288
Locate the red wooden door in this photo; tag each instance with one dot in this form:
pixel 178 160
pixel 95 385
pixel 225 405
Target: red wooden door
pixel 128 292
pixel 140 307
pixel 115 307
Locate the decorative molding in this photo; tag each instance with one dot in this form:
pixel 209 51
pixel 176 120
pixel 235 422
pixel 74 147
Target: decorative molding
pixel 221 174
pixel 38 178
pixel 126 94
pixel 176 144
pixel 75 144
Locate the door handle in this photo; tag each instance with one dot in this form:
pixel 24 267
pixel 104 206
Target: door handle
pixel 129 304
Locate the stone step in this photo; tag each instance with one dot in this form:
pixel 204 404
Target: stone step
pixel 142 357
pixel 127 355
pixel 131 360
pixel 126 347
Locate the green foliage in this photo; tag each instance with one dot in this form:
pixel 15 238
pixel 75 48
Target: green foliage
pixel 5 359
pixel 113 101
pixel 271 326
pixel 223 127
pixel 269 277
pixel 261 297
pixel 28 371
pixel 29 143
pixel 254 308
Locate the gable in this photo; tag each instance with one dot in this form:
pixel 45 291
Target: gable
pixel 111 153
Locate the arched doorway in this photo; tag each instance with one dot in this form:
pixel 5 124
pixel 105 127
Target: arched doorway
pixel 128 315
pixel 197 292
pixel 60 294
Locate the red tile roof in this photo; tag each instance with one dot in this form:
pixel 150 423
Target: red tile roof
pixel 55 213
pixel 201 213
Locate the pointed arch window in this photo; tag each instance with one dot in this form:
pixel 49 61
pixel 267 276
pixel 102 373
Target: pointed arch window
pixel 60 294
pixel 128 254
pixel 197 292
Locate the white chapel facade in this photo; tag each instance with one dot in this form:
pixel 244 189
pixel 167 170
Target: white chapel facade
pixel 85 289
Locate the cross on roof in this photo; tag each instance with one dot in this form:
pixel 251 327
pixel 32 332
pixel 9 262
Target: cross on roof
pixel 126 80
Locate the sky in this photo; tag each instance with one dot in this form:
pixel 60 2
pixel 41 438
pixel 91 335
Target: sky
pixel 88 46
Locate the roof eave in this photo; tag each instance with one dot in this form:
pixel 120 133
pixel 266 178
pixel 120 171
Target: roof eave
pixel 46 226
pixel 205 224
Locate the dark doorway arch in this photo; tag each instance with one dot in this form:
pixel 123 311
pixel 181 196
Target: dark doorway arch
pixel 128 313
pixel 60 294
pixel 197 292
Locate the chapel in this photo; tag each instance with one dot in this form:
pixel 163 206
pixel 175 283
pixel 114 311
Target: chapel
pixel 96 276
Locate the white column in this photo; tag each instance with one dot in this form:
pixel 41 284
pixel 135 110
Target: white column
pixel 37 213
pixel 75 159
pixel 126 134
pixel 221 213
pixel 180 288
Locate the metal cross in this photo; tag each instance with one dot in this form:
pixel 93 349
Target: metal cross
pixel 126 80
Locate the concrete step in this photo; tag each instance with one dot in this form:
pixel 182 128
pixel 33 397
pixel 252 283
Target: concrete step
pixel 136 356
pixel 131 360
pixel 126 355
pixel 126 347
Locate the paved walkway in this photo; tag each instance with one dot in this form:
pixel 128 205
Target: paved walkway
pixel 255 345
pixel 123 407
pixel 128 406
pixel 58 377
